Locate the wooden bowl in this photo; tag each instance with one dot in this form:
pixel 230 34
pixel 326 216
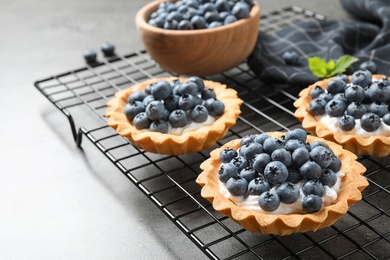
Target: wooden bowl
pixel 199 52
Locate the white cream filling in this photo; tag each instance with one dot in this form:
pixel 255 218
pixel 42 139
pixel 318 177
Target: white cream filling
pixel 332 124
pixel 251 202
pixel 190 127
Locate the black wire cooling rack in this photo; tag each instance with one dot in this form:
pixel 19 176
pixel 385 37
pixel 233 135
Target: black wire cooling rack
pixel 169 181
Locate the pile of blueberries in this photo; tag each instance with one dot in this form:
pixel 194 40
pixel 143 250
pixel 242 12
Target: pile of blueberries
pixel 175 104
pixel 362 98
pixel 199 14
pixel 272 167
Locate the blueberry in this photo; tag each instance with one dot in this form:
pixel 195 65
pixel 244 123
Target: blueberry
pixel 310 170
pixel 241 10
pixel 370 66
pixel 311 203
pixel 261 138
pixel 161 90
pixel 229 19
pixel 175 15
pixel 321 156
pixel 336 86
pixel 346 122
pixel 319 143
pixel 379 92
pixel 335 164
pixel 170 24
pixel 258 185
pixel 291 57
pixel 133 108
pixel 316 91
pixel 237 186
pixel 198 81
pixel 378 108
pixel 342 97
pixel 271 144
pixel 208 93
pixel 222 5
pixel 186 102
pixel 335 108
pixel 199 114
pixel 190 88
pixel 328 177
pixel 294 175
pixel 159 126
pixel 386 118
pixel 288 192
pixel 293 144
pixel 108 49
pixel 216 108
pixel 155 110
pixel 136 96
pixel 317 106
pixel 269 201
pixel 90 56
pixel 209 7
pixel 212 17
pixel 178 118
pixel 275 172
pixel 252 150
pixel 300 156
pixel 370 122
pixel 282 155
pixel 214 24
pixel 260 161
pixel 362 78
pixel 172 102
pixel 313 187
pixel 226 171
pixel 141 121
pixel 297 133
pixel 247 140
pixel 356 110
pixel 148 89
pixel 326 96
pixel 185 25
pixel 147 100
pixel 239 162
pixel 354 93
pixel 198 22
pixel 248 174
pixel 343 77
pixel 227 154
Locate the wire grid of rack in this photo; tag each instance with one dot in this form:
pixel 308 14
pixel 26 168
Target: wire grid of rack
pixel 169 181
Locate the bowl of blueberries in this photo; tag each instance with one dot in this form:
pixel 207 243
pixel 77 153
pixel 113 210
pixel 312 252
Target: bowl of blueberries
pixel 199 37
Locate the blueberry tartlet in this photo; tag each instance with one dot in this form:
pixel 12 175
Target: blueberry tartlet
pixel 174 115
pixel 282 183
pixel 350 110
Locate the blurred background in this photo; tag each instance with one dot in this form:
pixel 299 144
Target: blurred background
pixel 56 200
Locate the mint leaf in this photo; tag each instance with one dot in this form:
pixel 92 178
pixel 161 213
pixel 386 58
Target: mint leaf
pixel 342 64
pixel 330 66
pixel 317 66
pixel 323 69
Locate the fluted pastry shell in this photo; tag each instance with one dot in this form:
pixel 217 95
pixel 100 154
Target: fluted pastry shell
pixel 170 144
pixel 353 182
pixel 374 145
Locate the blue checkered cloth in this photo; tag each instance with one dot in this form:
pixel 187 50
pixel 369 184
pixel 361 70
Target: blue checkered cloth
pixel 367 38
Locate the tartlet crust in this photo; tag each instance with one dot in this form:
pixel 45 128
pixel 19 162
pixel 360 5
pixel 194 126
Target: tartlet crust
pixel 169 144
pixel 373 145
pixel 350 192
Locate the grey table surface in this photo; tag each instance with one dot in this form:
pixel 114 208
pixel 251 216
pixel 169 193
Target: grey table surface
pixel 57 201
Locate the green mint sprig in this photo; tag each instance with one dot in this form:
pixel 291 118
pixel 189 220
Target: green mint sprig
pixel 323 69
